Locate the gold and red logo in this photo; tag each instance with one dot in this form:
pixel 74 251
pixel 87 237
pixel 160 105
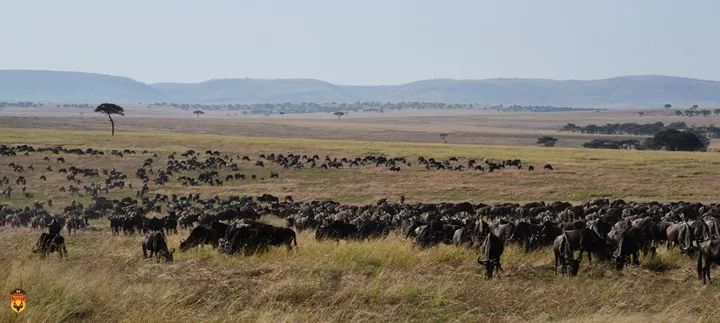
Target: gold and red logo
pixel 18 300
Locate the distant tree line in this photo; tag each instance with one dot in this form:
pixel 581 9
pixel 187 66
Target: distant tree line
pixel 667 139
pixel 536 108
pixel 278 108
pixel 694 112
pixel 631 128
pixel 21 104
pixel 646 129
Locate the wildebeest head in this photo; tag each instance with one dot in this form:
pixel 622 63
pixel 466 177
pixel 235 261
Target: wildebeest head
pixel 168 255
pixel 489 265
pixel 572 265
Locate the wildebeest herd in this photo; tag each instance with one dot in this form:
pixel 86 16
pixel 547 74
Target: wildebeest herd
pixel 614 231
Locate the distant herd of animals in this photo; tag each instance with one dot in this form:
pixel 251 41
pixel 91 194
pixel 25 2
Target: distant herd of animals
pixel 614 231
pixel 207 168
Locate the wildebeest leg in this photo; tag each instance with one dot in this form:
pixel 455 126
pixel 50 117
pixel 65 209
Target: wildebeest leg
pixel 144 251
pixel 636 258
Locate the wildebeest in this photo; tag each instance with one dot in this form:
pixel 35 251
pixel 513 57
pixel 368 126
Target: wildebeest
pixel 629 243
pixel 200 235
pixel 155 243
pixel 336 230
pixel 49 243
pixel 493 248
pixel 564 256
pixel 710 253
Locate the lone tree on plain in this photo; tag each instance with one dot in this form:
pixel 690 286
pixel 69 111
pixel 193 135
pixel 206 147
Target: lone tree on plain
pixel 110 109
pixel 547 141
pixel 667 106
pixel 198 113
pixel 444 136
pixel 339 114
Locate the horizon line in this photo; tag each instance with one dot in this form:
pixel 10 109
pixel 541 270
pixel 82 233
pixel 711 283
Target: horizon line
pixel 359 85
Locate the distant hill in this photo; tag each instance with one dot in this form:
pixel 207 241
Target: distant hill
pixel 72 87
pixel 639 91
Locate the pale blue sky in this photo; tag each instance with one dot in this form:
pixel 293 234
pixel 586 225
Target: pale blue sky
pixel 363 42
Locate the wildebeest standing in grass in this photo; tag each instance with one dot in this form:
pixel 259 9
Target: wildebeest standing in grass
pixel 155 243
pixel 493 248
pixel 49 243
pixel 564 256
pixel 629 244
pixel 200 235
pixel 710 253
pixel 336 230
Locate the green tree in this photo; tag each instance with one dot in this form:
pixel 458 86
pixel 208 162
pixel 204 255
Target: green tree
pixel 339 114
pixel 547 141
pixel 673 139
pixel 198 113
pixel 667 106
pixel 109 109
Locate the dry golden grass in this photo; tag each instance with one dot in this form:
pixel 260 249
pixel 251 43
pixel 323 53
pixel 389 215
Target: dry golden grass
pixel 106 279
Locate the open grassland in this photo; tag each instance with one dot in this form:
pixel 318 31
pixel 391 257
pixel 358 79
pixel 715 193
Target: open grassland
pixel 580 174
pixel 463 126
pixel 106 279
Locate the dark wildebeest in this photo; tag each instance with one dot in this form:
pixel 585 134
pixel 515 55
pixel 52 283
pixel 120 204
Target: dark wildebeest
pixel 156 244
pixel 629 244
pixel 48 243
pixel 372 229
pixel 589 241
pixel 493 249
pixel 710 253
pixel 336 230
pixel 564 256
pixel 265 235
pixel 200 235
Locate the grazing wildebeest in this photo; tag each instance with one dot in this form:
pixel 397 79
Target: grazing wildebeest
pixel 710 253
pixel 336 230
pixel 629 243
pixel 200 235
pixel 589 241
pixel 493 249
pixel 155 243
pixel 264 235
pixel 564 256
pixel 49 243
pixel 372 229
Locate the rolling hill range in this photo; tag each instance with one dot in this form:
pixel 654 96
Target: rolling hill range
pixel 636 91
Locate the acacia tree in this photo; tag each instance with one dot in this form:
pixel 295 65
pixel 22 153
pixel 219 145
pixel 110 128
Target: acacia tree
pixel 109 109
pixel 198 113
pixel 667 106
pixel 547 141
pixel 339 114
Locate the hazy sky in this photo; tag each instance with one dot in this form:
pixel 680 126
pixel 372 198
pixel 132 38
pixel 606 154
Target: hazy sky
pixel 364 41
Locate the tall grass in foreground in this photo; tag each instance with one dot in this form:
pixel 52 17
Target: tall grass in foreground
pixel 106 279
